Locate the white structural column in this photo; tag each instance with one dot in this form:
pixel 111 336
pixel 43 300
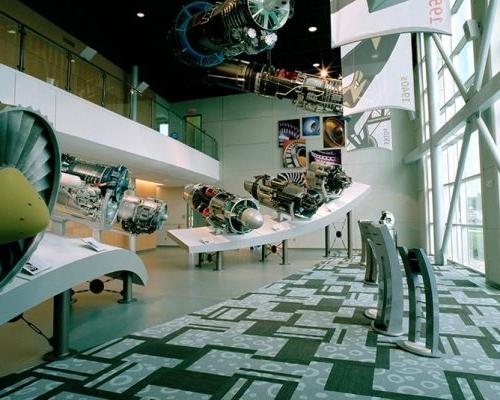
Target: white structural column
pixel 436 152
pixel 488 125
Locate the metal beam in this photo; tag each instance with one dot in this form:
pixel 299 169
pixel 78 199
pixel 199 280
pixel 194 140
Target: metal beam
pixel 489 141
pixel 478 103
pixel 450 66
pixel 488 29
pixel 436 151
pixel 456 188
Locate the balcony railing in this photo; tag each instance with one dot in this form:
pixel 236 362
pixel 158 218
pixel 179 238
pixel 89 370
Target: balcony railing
pixel 33 53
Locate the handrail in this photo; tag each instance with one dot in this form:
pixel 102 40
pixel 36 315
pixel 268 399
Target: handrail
pixel 23 29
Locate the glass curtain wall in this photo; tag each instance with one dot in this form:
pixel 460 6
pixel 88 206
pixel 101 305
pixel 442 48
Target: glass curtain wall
pixel 466 244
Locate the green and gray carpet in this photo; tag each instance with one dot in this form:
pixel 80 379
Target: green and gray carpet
pixel 302 338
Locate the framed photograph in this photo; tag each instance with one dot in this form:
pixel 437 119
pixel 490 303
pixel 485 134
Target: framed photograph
pixel 288 130
pixel 333 132
pixel 295 154
pixel 330 156
pixel 311 126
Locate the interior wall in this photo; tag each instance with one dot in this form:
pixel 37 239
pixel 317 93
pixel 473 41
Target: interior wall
pixel 246 129
pixel 25 15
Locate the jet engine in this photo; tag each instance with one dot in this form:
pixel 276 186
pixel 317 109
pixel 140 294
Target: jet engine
pixel 224 211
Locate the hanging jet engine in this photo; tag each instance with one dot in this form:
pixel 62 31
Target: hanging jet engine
pixel 205 34
pixel 224 211
pixel 309 92
pixel 329 179
pixel 30 169
pixel 284 196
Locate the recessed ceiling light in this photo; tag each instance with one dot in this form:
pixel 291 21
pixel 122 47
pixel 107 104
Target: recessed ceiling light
pixel 313 29
pixel 316 65
pixel 12 31
pixel 141 14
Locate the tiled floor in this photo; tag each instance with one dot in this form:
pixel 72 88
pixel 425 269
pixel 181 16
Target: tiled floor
pixel 303 337
pixel 173 290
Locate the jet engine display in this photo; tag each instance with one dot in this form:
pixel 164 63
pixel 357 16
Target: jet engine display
pixel 30 169
pixel 139 215
pixel 91 191
pixel 101 195
pixel 224 211
pixel 329 179
pixel 284 197
pixel 309 92
pixel 205 34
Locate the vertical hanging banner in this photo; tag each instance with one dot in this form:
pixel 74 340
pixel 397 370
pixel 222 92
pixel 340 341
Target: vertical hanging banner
pixel 378 73
pixel 355 20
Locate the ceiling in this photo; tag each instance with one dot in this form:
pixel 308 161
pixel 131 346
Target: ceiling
pixel 114 30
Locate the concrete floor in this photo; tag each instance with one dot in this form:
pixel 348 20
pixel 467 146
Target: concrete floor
pixel 173 290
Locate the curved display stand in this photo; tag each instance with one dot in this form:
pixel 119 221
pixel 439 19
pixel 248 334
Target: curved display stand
pixel 204 240
pixel 417 264
pixel 370 263
pixel 389 319
pixel 69 263
pixel 367 255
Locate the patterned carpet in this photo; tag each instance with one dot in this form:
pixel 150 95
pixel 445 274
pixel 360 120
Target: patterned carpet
pixel 302 338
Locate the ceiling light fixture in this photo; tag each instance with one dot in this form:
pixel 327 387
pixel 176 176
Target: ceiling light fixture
pixel 316 65
pixel 324 73
pixel 313 29
pixel 141 14
pixel 12 31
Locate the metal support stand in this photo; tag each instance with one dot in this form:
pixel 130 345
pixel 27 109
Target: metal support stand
pixel 219 261
pixel 328 241
pixel 61 322
pixel 349 235
pixel 284 253
pixel 274 249
pixel 127 296
pixel 417 264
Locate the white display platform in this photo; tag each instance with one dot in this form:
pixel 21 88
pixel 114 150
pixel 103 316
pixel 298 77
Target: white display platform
pixel 204 240
pixel 71 264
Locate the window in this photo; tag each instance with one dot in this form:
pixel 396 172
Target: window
pixel 466 240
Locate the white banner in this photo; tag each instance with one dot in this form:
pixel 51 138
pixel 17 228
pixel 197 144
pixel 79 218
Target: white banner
pixel 369 130
pixel 378 73
pixel 355 20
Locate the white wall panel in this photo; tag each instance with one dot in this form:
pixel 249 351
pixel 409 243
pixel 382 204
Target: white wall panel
pixel 7 85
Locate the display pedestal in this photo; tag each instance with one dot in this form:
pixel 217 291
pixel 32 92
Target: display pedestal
pixel 367 255
pixel 70 263
pixel 417 266
pixel 389 320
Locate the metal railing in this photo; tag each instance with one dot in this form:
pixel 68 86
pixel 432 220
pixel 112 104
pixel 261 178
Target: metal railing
pixel 35 54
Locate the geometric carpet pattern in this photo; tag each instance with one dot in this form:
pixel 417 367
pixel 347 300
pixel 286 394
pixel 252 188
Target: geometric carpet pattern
pixel 304 337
